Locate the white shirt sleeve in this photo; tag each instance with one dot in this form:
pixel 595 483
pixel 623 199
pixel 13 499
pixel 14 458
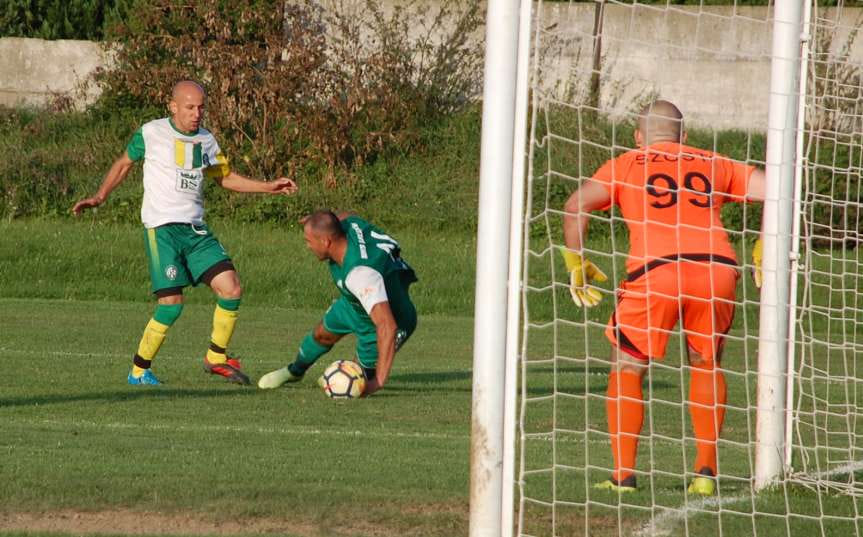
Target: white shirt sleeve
pixel 367 285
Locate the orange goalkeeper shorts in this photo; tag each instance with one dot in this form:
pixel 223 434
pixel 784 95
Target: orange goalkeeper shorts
pixel 649 304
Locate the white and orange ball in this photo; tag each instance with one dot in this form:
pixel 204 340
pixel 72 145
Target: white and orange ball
pixel 344 379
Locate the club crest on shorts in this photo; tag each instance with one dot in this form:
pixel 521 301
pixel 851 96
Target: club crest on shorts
pixel 171 272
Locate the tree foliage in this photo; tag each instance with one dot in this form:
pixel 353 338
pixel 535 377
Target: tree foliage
pixel 61 19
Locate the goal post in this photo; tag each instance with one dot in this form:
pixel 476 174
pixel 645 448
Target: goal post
pixel 516 241
pixel 777 226
pixel 803 78
pixel 493 372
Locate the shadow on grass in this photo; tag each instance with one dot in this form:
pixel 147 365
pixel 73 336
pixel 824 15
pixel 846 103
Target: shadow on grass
pixel 432 377
pixel 119 396
pixel 569 381
pixel 543 385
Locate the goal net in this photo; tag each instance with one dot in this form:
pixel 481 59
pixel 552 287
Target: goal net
pixel 593 67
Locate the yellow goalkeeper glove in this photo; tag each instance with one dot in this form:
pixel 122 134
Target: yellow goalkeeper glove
pixel 581 272
pixel 757 256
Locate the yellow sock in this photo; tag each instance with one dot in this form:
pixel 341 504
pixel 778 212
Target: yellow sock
pixel 223 328
pixel 151 341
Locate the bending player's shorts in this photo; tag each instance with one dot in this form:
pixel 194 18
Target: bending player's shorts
pixel 700 294
pixel 183 254
pixel 342 318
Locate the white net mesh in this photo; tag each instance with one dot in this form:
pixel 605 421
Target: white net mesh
pixel 827 442
pixel 714 64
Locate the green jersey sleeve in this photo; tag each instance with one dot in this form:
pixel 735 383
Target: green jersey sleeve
pixel 135 149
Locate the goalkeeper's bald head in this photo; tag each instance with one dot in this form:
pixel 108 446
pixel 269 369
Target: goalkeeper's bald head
pixel 660 121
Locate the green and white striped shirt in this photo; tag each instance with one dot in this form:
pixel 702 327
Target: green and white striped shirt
pixel 175 165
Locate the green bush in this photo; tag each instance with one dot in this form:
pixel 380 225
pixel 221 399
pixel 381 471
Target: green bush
pixel 61 19
pixel 53 159
pixel 298 94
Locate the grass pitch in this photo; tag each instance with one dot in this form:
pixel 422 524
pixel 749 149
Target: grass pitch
pixel 78 439
pixel 198 455
pixel 81 452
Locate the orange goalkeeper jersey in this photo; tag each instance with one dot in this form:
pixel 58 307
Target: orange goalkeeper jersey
pixel 670 196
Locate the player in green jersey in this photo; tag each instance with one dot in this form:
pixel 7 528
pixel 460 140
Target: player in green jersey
pixel 373 279
pixel 178 156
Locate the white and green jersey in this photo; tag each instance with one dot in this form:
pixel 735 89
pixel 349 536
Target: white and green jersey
pixel 175 165
pixel 372 270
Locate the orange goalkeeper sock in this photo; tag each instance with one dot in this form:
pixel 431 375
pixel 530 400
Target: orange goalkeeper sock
pixel 707 396
pixel 625 410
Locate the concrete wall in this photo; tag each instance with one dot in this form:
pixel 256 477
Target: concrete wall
pixel 33 70
pixel 713 62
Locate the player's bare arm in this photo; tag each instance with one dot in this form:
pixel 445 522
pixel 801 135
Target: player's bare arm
pixel 116 174
pixel 238 183
pixel 386 327
pixel 756 187
pixel 591 196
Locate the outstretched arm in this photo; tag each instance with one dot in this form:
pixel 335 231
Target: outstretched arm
pixel 238 183
pixel 386 327
pixel 116 174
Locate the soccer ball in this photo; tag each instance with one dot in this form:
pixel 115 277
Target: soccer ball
pixel 343 379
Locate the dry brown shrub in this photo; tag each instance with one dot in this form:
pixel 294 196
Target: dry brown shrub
pixel 293 87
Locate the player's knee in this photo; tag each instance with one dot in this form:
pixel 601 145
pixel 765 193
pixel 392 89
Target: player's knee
pixel 632 369
pixel 701 362
pixel 170 299
pixel 167 314
pixel 225 284
pixel 235 292
pixel 327 340
pixel 229 289
pixel 324 337
pixel 624 363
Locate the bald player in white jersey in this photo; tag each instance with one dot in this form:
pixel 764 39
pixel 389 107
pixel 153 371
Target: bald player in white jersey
pixel 179 155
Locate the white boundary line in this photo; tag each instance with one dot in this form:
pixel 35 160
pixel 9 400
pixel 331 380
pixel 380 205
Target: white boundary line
pixel 265 430
pixel 235 429
pixel 61 354
pixel 665 523
pixel 658 526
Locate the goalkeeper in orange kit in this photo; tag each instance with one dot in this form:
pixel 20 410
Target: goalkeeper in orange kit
pixel 681 266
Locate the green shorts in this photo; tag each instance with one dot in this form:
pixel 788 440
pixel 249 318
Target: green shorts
pixel 180 254
pixel 343 319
